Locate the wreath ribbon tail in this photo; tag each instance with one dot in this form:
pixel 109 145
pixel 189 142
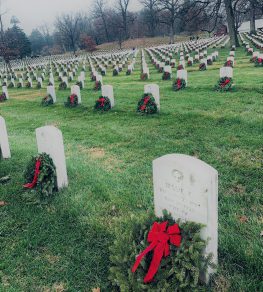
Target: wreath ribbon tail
pixel 141 255
pixel 155 263
pixel 36 174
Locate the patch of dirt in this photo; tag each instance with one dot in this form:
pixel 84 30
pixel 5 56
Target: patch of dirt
pixel 96 152
pixel 221 284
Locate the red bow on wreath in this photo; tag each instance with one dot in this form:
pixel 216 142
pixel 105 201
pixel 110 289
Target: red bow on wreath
pixel 159 238
pixel 102 101
pixel 260 60
pixel 179 83
pixel 36 174
pixel 72 97
pixel 225 83
pixel 145 101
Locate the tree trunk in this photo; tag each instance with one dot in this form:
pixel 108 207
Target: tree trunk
pixel 252 17
pixel 231 23
pixel 105 28
pixel 172 39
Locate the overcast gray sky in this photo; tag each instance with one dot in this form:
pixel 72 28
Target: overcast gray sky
pixel 34 13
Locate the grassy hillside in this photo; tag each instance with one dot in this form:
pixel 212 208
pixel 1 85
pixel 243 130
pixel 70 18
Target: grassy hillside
pixel 62 245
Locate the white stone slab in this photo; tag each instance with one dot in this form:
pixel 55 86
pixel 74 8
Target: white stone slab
pixel 168 69
pixel 107 90
pixel 226 72
pixel 188 189
pixel 4 89
pixel 155 91
pixel 50 141
pixel 4 144
pixel 52 92
pixel 75 89
pixel 182 74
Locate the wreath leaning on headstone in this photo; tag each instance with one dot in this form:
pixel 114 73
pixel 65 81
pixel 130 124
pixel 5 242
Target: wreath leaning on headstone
pixel 47 100
pixel 158 254
pixel 224 84
pixel 179 84
pixel 147 104
pixel 102 104
pixel 3 97
pixel 40 175
pixel 72 101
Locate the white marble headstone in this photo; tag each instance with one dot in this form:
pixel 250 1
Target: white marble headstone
pixel 188 189
pixel 50 141
pixel 168 69
pixel 155 91
pixel 107 90
pixel 52 92
pixel 4 144
pixel 65 79
pixel 226 72
pixel 182 74
pixel 75 89
pixel 4 88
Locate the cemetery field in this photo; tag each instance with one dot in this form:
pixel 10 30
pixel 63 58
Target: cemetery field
pixel 63 244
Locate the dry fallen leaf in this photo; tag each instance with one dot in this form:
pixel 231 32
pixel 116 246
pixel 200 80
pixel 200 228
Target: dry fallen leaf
pixel 243 219
pixel 3 203
pixel 96 290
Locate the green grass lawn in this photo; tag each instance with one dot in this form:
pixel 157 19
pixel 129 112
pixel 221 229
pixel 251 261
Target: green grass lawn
pixel 62 245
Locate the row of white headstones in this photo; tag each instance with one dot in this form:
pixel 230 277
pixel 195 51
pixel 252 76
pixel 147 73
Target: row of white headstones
pixel 183 185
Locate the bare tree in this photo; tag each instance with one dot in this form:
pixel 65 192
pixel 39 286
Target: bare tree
pixel 69 28
pixel 152 9
pixel 99 12
pixel 123 9
pixel 231 22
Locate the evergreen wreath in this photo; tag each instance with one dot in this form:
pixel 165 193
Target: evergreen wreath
pixel 3 97
pixel 102 104
pixel 224 84
pixel 229 63
pixel 11 85
pixel 144 76
pixel 40 175
pixel 97 86
pixel 180 271
pixel 147 104
pixel 79 83
pixel 47 100
pixel 63 85
pixel 179 84
pixel 180 67
pixel 72 101
pixel 259 62
pixel 249 52
pixel 166 76
pixel 202 67
pixel 189 63
pixel 28 85
pixel 115 72
pixel 38 85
